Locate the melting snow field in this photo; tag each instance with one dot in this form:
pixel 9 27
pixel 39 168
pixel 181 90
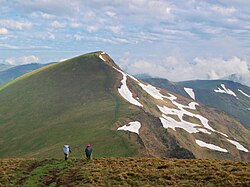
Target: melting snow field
pixel 225 90
pixel 180 112
pixel 238 145
pixel 190 92
pixel 244 93
pixel 125 92
pixel 132 127
pixel 151 90
pixel 210 146
pixel 169 122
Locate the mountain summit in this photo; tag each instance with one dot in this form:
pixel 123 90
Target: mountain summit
pixel 89 99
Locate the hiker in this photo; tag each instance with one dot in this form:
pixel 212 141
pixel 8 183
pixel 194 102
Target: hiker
pixel 88 151
pixel 66 150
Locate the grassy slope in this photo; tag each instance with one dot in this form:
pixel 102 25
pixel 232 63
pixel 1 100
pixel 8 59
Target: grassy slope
pixel 72 101
pixel 123 172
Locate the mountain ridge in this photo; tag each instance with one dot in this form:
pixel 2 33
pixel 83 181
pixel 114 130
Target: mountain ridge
pixel 14 72
pixel 87 98
pixel 227 96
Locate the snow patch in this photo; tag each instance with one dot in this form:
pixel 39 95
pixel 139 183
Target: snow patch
pixel 225 90
pixel 132 127
pixel 125 92
pixel 100 56
pixel 210 146
pixel 191 105
pixel 190 92
pixel 238 145
pixel 169 122
pixel 151 90
pixel 244 93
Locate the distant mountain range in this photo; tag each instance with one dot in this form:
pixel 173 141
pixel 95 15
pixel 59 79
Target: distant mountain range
pixel 89 99
pixel 4 67
pixel 227 96
pixel 8 72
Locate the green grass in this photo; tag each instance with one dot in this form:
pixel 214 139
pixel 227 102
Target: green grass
pixel 72 102
pixel 124 172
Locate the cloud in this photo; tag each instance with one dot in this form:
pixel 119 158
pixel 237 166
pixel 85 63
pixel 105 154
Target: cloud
pixel 57 24
pixel 177 69
pixel 10 61
pixel 55 7
pixel 17 25
pixel 210 30
pixel 111 14
pixel 22 60
pixel 43 15
pixel 75 24
pixel 120 40
pixel 225 11
pixel 28 59
pixel 3 31
pixel 92 28
pixel 114 29
pixel 8 46
pixel 78 37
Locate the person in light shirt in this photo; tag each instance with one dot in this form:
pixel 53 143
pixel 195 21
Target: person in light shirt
pixel 66 150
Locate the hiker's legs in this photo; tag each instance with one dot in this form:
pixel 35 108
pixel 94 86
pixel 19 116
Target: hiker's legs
pixel 66 156
pixel 88 156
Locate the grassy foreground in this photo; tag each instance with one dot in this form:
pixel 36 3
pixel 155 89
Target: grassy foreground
pixel 123 172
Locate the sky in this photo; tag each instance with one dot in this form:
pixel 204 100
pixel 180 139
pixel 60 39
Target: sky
pixel 174 39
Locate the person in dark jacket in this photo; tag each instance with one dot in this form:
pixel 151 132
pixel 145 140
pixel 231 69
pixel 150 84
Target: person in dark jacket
pixel 88 151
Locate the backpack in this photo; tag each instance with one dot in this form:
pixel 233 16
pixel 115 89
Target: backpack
pixel 88 150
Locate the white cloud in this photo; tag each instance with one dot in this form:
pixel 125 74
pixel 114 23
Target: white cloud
pixel 150 6
pixel 121 40
pixel 43 15
pixel 22 60
pixel 92 28
pixel 10 61
pixel 216 68
pixel 3 31
pixel 18 25
pixel 57 24
pixel 78 37
pixel 224 10
pixel 75 25
pixel 115 29
pixel 8 46
pixel 177 69
pixel 111 14
pixel 47 16
pixel 149 28
pixel 28 59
